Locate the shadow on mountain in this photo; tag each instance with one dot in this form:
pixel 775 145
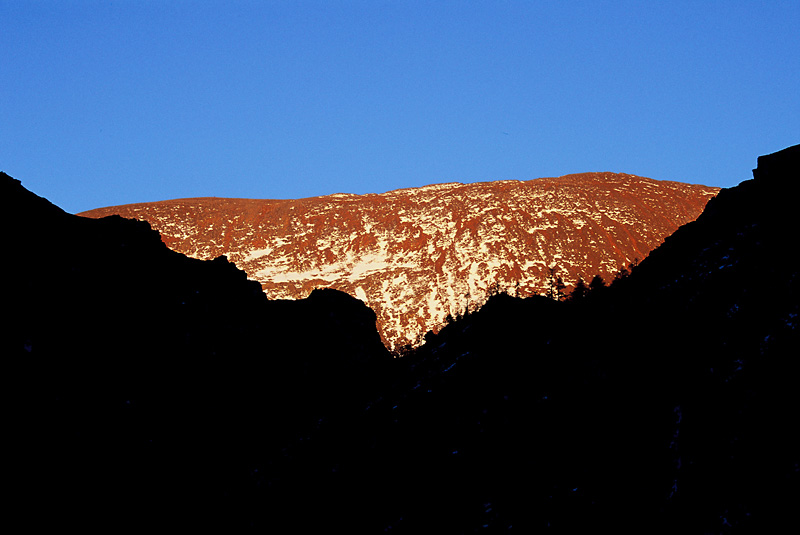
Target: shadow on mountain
pixel 151 387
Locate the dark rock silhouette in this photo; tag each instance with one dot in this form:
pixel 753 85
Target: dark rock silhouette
pixel 662 404
pixel 144 382
pixel 666 402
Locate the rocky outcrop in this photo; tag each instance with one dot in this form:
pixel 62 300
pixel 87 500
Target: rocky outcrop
pixel 419 255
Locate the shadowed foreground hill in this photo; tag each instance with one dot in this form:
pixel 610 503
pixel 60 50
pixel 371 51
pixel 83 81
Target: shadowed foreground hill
pixel 142 381
pixel 665 403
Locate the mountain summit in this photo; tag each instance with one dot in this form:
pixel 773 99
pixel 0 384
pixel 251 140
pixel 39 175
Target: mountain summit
pixel 419 255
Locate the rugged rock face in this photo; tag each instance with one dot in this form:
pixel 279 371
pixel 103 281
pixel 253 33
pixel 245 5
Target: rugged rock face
pixel 417 255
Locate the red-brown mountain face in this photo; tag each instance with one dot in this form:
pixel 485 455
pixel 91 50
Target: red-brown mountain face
pixel 417 255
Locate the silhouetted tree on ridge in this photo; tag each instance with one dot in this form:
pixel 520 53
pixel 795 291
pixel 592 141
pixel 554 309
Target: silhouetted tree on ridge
pixel 580 291
pixel 556 286
pixel 597 283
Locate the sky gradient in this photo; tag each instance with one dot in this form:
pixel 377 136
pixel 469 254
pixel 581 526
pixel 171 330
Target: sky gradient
pixel 107 103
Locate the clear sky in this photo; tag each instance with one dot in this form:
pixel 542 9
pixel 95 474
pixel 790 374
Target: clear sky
pixel 115 102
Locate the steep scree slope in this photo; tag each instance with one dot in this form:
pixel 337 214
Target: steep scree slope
pixel 417 255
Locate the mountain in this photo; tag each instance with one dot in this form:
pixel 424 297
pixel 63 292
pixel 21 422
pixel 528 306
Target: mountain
pixel 416 256
pixel 147 388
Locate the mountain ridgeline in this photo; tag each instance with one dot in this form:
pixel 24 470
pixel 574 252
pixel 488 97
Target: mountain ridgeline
pixel 418 255
pixel 151 387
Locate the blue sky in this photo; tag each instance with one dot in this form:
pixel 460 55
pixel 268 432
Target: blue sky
pixel 106 103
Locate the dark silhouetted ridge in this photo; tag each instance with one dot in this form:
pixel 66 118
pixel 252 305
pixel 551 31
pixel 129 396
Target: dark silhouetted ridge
pixel 143 384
